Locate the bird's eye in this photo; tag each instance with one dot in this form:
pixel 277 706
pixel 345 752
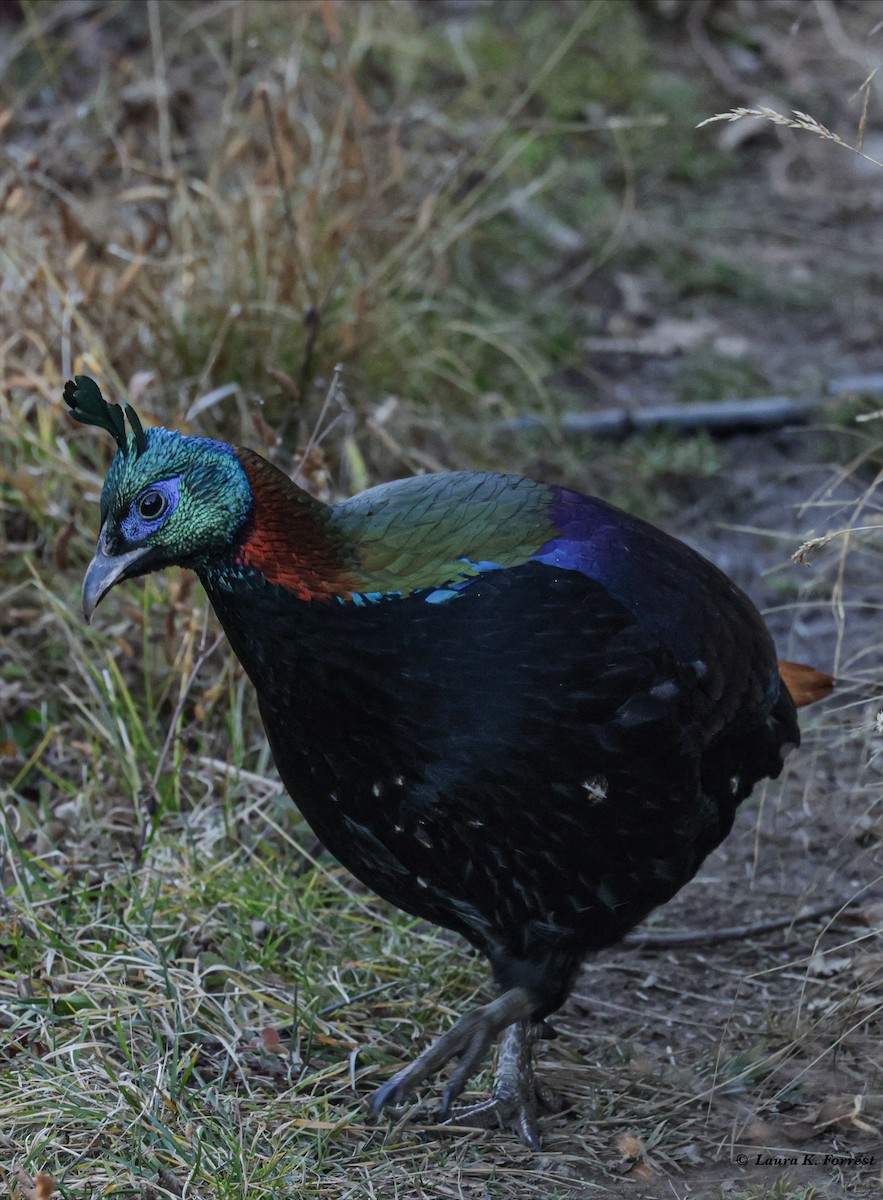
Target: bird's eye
pixel 152 505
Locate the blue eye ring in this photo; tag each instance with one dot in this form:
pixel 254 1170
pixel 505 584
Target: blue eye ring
pixel 150 509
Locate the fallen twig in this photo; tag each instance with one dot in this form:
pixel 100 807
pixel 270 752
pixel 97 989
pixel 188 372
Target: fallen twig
pixel 717 416
pixel 733 933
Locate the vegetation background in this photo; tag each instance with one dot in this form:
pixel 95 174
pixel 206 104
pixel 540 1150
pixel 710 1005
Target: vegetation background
pixel 370 239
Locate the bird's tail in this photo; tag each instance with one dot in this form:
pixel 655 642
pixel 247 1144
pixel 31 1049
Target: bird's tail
pixel 805 684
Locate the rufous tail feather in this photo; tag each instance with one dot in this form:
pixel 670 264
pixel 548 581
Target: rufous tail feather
pixel 806 684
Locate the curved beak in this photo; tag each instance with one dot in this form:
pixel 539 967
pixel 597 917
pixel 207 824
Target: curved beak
pixel 104 571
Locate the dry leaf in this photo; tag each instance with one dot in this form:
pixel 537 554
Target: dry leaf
pixel 824 966
pixel 760 1133
pixel 630 1145
pixel 44 1186
pixel 271 1041
pixel 851 1109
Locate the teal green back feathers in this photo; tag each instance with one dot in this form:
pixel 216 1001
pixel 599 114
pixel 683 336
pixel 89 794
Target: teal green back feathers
pixel 431 530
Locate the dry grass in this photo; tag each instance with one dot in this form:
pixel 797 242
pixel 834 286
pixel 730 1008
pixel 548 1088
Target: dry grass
pixel 796 120
pixel 209 207
pixel 340 211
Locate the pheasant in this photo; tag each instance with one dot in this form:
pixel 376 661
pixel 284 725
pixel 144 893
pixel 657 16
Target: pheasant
pixel 508 708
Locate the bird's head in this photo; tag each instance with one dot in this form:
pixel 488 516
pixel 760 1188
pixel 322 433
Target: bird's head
pixel 167 500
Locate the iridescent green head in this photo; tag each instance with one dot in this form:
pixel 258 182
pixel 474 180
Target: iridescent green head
pixel 167 499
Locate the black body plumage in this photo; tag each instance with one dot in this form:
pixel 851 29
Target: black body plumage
pixel 530 766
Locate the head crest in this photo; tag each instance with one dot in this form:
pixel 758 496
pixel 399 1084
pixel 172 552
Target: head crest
pixel 83 397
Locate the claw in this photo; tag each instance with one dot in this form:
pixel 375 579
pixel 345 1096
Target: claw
pixel 516 1095
pixel 470 1061
pixel 469 1040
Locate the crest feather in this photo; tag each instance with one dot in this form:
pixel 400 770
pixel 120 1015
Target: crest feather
pixel 87 405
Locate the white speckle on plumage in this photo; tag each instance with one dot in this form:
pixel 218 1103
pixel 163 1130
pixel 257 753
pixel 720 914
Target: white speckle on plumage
pixel 596 786
pixel 665 690
pixel 423 837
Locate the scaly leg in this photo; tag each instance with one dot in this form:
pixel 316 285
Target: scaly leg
pixel 469 1040
pixel 516 1094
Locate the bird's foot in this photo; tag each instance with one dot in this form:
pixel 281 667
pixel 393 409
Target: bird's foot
pixel 516 1094
pixel 468 1041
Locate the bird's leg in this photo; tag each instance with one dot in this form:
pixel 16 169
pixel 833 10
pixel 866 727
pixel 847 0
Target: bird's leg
pixel 468 1040
pixel 516 1094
